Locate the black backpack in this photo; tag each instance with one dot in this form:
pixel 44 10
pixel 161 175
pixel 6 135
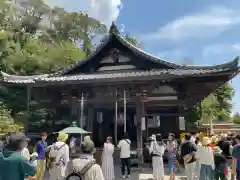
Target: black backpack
pixel 80 175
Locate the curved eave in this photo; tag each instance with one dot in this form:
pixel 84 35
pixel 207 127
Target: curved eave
pixel 163 74
pixel 232 64
pixel 15 79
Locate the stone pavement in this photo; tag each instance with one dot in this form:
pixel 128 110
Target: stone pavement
pixel 139 174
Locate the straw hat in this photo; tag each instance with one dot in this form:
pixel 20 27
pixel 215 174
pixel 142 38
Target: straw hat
pixel 62 137
pixel 217 150
pixel 214 139
pixel 206 141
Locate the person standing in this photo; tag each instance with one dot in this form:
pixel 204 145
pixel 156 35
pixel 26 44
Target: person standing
pixel 188 154
pixel 221 167
pixel 84 166
pixel 206 160
pixel 13 166
pixel 59 158
pixel 157 151
pixel 41 151
pixel 236 158
pixel 72 145
pixel 107 160
pixel 171 150
pixel 198 145
pixel 125 145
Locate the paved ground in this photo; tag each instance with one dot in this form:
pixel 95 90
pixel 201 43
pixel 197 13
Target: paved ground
pixel 139 174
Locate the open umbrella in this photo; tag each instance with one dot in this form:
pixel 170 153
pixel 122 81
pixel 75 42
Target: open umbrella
pixel 74 129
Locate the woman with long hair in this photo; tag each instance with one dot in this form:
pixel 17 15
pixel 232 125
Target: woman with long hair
pixel 206 160
pixel 107 159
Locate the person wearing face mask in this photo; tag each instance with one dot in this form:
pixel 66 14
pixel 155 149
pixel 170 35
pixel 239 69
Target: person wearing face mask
pixel 13 166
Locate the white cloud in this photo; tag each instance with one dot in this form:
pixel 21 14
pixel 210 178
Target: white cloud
pixel 218 49
pixel 173 55
pixel 105 11
pixel 209 23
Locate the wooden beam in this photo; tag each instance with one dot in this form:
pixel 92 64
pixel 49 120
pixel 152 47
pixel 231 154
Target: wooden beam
pixel 166 114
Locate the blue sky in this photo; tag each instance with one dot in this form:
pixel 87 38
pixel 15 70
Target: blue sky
pixel 202 32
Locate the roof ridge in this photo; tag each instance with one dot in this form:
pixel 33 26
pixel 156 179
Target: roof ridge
pixel 234 62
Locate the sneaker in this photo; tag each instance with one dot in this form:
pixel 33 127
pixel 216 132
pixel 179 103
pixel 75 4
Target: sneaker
pixel 128 176
pixel 123 176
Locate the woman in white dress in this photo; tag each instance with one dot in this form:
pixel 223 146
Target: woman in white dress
pixel 107 160
pixel 157 150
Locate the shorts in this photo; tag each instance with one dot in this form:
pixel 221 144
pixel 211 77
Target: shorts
pixel 171 165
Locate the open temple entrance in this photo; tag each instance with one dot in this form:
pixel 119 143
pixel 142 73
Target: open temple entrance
pixel 158 93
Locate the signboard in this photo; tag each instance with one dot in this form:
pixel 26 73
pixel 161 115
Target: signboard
pixel 181 123
pixel 143 123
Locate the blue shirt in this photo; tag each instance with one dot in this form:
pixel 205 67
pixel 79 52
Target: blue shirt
pixel 236 155
pixel 41 149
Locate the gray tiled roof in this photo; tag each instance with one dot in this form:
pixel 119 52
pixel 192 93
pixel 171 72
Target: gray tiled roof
pixel 142 53
pixel 175 73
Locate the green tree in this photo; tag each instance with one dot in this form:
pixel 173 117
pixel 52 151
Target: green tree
pixel 236 118
pixel 224 95
pixel 6 121
pixel 37 39
pixel 209 109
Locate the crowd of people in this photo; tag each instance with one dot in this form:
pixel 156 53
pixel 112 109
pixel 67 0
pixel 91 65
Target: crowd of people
pixel 16 163
pixel 204 158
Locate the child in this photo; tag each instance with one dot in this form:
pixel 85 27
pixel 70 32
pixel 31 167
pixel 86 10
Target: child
pixel 221 168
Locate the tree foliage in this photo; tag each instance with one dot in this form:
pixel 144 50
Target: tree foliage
pixel 236 118
pixel 37 39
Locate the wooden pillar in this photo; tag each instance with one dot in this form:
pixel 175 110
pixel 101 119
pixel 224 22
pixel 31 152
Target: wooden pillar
pixel 28 95
pixel 116 121
pixel 90 117
pixel 139 105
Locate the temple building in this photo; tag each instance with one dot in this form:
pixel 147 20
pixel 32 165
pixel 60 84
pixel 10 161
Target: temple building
pixel 120 87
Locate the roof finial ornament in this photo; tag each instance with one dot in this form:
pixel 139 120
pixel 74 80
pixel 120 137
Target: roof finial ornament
pixel 113 28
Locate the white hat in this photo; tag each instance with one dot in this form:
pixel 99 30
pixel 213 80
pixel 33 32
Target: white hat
pixel 206 141
pixel 153 137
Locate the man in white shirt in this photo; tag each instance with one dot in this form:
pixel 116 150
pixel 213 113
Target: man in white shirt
pixel 125 149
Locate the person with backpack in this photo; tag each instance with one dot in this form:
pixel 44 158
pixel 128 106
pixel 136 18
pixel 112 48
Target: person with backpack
pixel 84 167
pixel 188 151
pixel 59 158
pixel 125 151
